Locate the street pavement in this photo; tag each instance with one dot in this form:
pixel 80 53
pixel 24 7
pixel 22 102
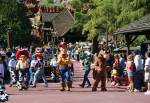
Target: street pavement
pixel 52 94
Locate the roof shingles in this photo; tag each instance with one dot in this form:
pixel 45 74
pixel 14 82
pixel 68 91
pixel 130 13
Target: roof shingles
pixel 140 25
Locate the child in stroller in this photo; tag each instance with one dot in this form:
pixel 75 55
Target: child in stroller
pixel 115 76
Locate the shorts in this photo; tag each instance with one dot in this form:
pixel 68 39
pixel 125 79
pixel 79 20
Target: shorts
pixel 147 77
pixel 130 73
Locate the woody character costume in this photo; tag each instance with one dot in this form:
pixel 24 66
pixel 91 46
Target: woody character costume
pixel 63 63
pixel 23 68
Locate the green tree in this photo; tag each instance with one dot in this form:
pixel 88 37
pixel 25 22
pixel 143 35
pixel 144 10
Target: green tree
pixel 14 15
pixel 108 15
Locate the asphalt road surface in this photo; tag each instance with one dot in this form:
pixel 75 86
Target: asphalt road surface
pixel 52 94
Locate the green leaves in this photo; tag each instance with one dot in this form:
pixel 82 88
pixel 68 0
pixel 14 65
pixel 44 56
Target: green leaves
pixel 113 14
pixel 13 16
pixel 77 4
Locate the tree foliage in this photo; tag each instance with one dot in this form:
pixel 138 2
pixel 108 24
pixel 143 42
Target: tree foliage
pixel 79 15
pixel 108 15
pixel 13 15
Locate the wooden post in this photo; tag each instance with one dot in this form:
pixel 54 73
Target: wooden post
pixel 127 43
pixel 95 45
pixel 148 38
pixel 107 38
pixel 9 38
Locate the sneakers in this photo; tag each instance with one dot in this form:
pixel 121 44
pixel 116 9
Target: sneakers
pixel 46 85
pixel 62 89
pixel 68 89
pixel 10 85
pixel 88 86
pixel 81 85
pixel 136 90
pixel 117 84
pixel 33 86
pixel 147 93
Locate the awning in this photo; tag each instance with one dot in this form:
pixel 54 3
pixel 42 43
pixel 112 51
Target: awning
pixel 125 48
pixel 137 27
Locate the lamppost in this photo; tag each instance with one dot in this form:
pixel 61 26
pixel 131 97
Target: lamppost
pixel 9 38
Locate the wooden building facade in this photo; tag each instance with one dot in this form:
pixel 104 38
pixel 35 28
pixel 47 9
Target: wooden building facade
pixel 48 21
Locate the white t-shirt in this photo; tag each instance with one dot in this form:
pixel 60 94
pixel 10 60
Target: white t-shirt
pixel 53 63
pixel 33 63
pixel 138 62
pixel 12 63
pixel 147 63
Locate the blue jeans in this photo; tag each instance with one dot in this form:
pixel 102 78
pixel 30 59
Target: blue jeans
pixel 138 79
pixel 86 79
pixel 65 74
pixel 31 72
pixel 39 71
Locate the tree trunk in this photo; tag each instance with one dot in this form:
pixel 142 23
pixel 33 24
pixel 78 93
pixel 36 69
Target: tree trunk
pixel 95 48
pixel 127 43
pixel 9 39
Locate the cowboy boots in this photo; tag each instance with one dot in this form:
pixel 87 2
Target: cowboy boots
pixel 69 85
pixel 63 85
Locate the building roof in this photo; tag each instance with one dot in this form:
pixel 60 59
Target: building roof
pixel 137 27
pixel 63 22
pixel 125 48
pixel 48 17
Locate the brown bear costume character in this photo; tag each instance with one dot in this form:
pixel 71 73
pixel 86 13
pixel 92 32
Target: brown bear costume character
pixel 99 73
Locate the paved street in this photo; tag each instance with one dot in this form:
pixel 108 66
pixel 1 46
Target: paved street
pixel 37 33
pixel 77 94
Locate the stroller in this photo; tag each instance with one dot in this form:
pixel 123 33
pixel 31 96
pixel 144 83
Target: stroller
pixel 55 73
pixel 124 78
